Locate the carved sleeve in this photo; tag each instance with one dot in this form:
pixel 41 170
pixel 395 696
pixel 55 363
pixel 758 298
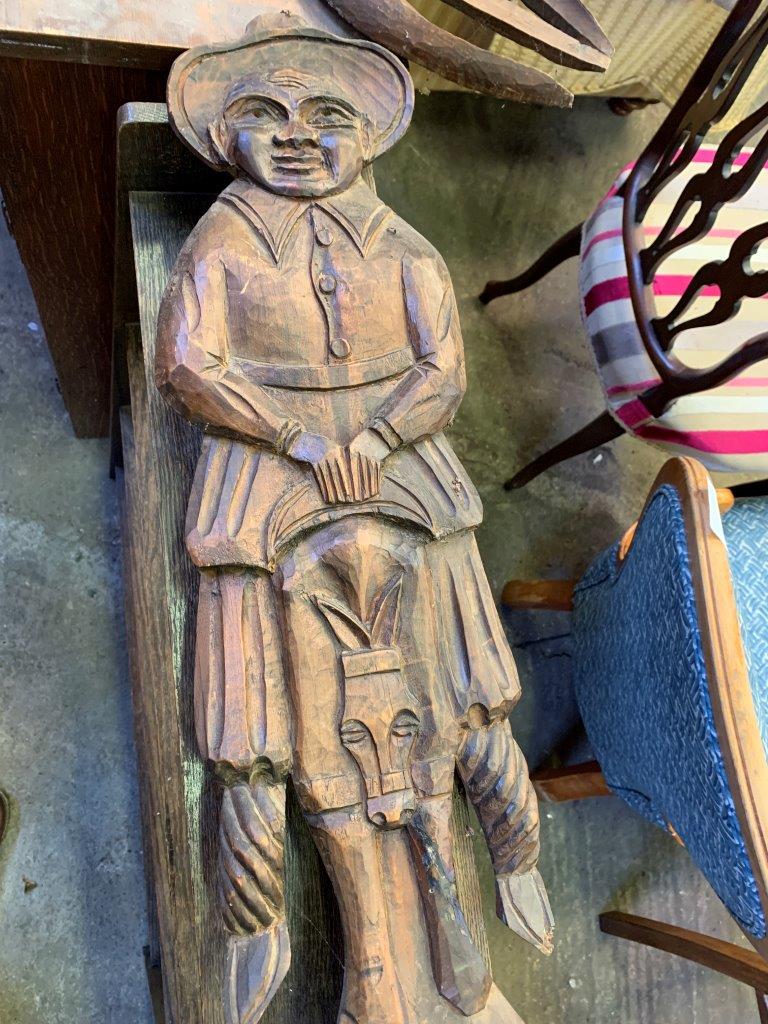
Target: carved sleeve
pixel 192 365
pixel 426 401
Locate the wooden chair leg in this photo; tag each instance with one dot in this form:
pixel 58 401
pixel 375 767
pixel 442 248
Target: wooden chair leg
pixel 762 1006
pixel 555 595
pixel 599 431
pixel 725 957
pixel 623 106
pixel 574 782
pixel 563 249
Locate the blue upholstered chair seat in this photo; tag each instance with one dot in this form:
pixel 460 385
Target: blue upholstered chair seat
pixel 641 685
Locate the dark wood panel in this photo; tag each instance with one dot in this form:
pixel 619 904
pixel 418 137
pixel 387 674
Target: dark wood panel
pixel 57 174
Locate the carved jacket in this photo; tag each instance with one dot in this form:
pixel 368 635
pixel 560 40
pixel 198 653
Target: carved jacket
pixel 327 315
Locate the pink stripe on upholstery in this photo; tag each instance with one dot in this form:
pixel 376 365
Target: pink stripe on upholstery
pixel 633 413
pixel 675 284
pixel 606 291
pixel 726 442
pixel 706 155
pixel 601 237
pixel 654 232
pixel 745 381
pixel 638 386
pixel 616 288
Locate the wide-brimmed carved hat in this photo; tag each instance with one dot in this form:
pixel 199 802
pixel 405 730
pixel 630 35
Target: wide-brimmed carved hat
pixel 373 80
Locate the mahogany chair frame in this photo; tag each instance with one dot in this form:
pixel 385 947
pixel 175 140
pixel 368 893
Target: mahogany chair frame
pixel 708 97
pixel 735 717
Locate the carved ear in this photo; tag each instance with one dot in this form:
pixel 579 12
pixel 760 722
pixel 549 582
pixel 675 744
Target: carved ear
pixel 348 629
pixel 218 133
pixel 372 141
pixel 387 616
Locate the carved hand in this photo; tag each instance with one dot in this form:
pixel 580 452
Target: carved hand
pixel 330 464
pixel 352 473
pixel 365 453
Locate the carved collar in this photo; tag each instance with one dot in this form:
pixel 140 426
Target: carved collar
pixel 358 211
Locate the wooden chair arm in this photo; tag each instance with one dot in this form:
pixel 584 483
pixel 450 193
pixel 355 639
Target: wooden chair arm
pixel 556 595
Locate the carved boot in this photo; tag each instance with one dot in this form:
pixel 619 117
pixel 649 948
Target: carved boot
pixel 348 844
pixel 496 779
pixel 252 895
pixel 460 973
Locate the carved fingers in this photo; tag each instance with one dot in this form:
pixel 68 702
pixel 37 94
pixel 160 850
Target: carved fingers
pixel 251 837
pixel 346 476
pixel 343 474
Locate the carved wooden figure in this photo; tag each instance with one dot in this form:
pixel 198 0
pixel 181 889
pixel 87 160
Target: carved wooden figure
pixel 347 635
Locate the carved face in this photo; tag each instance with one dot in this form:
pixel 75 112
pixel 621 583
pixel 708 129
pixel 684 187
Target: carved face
pixel 379 731
pixel 295 135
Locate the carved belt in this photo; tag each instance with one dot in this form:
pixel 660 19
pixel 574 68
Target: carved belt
pixel 340 375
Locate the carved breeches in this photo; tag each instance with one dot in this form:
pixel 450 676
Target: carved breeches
pixel 363 606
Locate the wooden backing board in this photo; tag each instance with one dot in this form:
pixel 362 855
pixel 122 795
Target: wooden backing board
pixel 181 792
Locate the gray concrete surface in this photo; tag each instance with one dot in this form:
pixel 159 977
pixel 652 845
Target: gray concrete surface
pixel 491 185
pixel 72 913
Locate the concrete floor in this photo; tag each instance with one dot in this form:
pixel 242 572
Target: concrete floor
pixel 490 197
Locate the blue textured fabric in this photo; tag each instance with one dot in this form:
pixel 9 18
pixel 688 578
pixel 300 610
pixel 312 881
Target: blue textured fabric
pixel 641 686
pixel 746 534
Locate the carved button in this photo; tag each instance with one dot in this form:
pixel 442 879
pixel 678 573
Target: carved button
pixel 327 283
pixel 323 236
pixel 340 348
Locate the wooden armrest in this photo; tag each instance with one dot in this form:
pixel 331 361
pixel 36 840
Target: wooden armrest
pixel 556 595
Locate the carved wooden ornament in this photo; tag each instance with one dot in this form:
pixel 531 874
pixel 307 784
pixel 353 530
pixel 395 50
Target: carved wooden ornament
pixel 347 635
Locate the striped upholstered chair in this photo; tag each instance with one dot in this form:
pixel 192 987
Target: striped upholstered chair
pixel 670 671
pixel 673 282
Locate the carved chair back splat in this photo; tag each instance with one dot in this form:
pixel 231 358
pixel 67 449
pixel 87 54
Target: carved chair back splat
pixel 728 173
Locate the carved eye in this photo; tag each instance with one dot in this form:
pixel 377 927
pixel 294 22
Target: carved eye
pixel 259 113
pixel 330 114
pixel 353 732
pixel 405 725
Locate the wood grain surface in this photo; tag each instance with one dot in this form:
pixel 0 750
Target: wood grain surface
pixel 161 222
pixel 57 174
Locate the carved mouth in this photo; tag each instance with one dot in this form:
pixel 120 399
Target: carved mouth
pixel 297 163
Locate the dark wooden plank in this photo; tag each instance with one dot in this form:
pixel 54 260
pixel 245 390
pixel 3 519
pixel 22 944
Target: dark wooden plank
pixel 57 174
pixel 150 157
pixel 725 957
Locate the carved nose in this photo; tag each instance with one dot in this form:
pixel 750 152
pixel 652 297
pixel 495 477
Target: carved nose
pixel 295 134
pixel 393 810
